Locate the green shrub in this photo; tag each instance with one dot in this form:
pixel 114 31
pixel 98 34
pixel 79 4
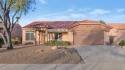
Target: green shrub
pixel 122 43
pixel 16 41
pixel 50 43
pixel 57 43
pixel 1 41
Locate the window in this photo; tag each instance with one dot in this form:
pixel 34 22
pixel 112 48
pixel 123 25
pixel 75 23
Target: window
pixel 58 36
pixel 29 35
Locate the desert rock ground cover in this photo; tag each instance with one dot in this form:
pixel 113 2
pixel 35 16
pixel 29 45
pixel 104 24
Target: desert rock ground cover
pixel 39 55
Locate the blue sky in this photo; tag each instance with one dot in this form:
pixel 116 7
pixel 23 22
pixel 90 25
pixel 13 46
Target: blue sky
pixel 110 11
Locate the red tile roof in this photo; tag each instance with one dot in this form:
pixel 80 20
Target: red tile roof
pixel 90 21
pixel 62 24
pixel 118 25
pixel 53 24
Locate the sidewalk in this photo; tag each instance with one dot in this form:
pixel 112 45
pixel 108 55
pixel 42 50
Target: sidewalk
pixel 41 67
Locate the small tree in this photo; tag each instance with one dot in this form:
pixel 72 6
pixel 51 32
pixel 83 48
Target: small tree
pixel 10 13
pixel 101 21
pixel 122 43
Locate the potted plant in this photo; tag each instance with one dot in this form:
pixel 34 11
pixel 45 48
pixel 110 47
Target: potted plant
pixel 122 43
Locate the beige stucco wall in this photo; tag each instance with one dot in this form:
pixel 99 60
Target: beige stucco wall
pixel 106 38
pixel 86 27
pixel 66 36
pixel 118 35
pixel 24 36
pixel 113 32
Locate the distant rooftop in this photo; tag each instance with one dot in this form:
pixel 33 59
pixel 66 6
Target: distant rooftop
pixel 118 25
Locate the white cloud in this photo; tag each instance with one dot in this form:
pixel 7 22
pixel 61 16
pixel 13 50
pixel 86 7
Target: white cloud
pixel 43 1
pixel 84 9
pixel 76 15
pixel 70 10
pixel 59 17
pixel 111 18
pixel 78 9
pixel 99 12
pixel 115 18
pixel 120 10
pixel 52 18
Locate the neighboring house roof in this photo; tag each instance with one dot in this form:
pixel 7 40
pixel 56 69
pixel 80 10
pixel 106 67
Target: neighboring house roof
pixel 63 24
pixel 118 26
pixel 17 31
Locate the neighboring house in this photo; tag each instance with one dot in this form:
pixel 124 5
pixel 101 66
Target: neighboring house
pixel 17 31
pixel 117 33
pixel 85 32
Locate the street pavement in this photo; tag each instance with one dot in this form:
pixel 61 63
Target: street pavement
pixel 95 57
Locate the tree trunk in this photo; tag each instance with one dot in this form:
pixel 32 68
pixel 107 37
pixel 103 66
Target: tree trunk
pixel 10 46
pixel 4 39
pixel 0 46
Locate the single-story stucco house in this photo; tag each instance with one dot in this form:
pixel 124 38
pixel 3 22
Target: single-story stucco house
pixel 85 32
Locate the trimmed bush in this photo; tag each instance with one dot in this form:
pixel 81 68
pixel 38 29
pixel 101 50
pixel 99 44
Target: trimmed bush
pixel 122 43
pixel 1 41
pixel 57 43
pixel 16 41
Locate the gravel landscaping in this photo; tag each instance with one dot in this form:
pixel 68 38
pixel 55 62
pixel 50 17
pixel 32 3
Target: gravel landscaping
pixel 39 55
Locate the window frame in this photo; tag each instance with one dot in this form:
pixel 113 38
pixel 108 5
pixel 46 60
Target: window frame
pixel 30 35
pixel 58 37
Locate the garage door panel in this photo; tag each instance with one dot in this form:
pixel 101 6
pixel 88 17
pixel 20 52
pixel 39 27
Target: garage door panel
pixel 88 37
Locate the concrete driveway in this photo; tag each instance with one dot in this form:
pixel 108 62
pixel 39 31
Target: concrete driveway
pixel 95 57
pixel 102 57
